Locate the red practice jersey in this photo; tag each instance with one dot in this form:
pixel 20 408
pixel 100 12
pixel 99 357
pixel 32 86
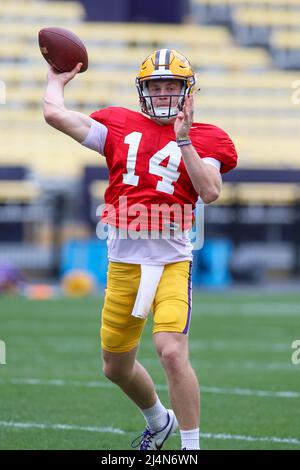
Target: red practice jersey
pixel 146 169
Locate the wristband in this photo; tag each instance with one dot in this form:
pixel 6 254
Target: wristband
pixel 182 142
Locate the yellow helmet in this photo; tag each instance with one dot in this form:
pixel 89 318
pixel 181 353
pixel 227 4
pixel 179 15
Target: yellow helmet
pixel 164 64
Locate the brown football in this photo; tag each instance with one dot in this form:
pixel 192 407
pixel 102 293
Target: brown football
pixel 62 49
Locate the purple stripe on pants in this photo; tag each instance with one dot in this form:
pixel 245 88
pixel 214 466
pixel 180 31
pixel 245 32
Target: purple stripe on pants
pixel 186 329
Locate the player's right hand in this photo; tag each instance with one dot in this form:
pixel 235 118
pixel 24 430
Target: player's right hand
pixel 63 77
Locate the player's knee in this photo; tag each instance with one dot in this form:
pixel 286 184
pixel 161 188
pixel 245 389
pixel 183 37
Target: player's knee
pixel 113 373
pixel 116 371
pixel 171 359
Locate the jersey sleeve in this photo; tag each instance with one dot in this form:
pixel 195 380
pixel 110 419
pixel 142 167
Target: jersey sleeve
pixel 103 116
pixel 211 141
pixel 95 140
pixel 113 118
pixel 226 153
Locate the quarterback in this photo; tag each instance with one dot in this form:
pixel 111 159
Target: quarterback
pixel 155 157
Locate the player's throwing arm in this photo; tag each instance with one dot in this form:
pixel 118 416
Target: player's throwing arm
pixel 67 56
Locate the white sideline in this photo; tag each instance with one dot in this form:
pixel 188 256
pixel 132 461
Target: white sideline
pixel 213 390
pixel 221 436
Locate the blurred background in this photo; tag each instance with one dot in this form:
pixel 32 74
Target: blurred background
pixel 247 58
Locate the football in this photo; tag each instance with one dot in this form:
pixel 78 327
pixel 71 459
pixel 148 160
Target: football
pixel 62 49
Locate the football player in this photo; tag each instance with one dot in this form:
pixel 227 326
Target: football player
pixel 156 157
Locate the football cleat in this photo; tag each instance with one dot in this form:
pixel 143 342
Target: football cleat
pixel 164 64
pixel 150 440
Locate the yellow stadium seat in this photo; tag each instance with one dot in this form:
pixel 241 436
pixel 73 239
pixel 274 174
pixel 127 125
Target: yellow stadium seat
pixel 149 34
pixel 18 191
pixel 107 94
pixel 230 58
pixel 38 11
pixel 269 194
pixel 237 3
pixel 289 39
pixel 266 17
pixel 240 90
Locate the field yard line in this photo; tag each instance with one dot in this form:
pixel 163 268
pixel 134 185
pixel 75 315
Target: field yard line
pixel 213 390
pixel 221 436
pixel 233 345
pixel 62 427
pixel 249 392
pixel 236 345
pixel 252 309
pixel 237 437
pixel 247 365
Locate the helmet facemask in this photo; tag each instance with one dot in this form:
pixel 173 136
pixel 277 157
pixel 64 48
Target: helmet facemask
pixel 164 64
pixel 161 112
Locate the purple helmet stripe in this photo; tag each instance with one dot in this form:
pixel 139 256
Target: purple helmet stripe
pixel 157 59
pixel 168 55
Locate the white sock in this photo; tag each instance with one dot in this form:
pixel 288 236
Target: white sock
pixel 156 416
pixel 190 440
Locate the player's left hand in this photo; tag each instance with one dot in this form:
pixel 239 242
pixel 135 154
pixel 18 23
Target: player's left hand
pixel 185 118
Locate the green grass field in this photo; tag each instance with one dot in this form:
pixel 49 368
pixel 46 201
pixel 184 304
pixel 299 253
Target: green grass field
pixel 53 394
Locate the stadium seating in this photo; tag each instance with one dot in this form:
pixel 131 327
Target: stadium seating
pixel 18 191
pixel 234 3
pixel 34 11
pixel 241 90
pixel 253 26
pixel 225 12
pixel 268 194
pixel 270 23
pixel 285 48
